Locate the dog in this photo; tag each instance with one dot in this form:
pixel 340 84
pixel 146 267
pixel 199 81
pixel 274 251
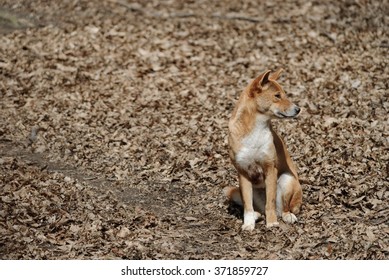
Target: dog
pixel 268 178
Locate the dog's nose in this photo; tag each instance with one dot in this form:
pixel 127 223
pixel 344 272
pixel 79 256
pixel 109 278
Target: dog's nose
pixel 297 110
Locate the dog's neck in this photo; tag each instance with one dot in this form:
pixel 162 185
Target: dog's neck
pixel 248 116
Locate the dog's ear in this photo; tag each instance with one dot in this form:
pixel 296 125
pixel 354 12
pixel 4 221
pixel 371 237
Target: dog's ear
pixel 274 76
pixel 259 82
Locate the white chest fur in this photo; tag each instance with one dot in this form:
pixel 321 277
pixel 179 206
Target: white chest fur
pixel 256 146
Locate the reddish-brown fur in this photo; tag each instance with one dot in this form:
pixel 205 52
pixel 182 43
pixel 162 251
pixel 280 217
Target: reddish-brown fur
pixel 260 155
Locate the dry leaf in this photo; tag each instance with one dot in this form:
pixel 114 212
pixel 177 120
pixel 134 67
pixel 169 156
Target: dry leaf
pixel 132 102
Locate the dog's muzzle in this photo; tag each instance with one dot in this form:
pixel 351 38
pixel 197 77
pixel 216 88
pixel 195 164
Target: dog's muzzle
pixel 292 112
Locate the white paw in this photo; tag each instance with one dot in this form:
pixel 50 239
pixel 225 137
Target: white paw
pixel 249 219
pixel 248 227
pixel 274 224
pixel 289 218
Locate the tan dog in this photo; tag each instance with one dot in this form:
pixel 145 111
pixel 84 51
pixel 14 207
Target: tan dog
pixel 267 174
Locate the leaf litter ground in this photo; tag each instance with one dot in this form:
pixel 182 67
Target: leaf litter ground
pixel 114 121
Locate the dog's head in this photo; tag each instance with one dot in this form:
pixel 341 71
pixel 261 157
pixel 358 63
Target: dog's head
pixel 270 98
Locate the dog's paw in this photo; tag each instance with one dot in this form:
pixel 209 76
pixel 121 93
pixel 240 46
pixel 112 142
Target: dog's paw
pixel 273 224
pixel 248 227
pixel 289 218
pixel 249 219
pixel 271 219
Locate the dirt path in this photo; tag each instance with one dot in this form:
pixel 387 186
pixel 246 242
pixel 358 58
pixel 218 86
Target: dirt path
pixel 113 122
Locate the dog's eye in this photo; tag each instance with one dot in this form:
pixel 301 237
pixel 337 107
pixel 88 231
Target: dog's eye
pixel 278 96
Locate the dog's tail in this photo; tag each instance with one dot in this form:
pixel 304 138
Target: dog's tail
pixel 233 194
pixel 259 197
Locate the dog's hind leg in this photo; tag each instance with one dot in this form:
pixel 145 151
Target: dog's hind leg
pixel 288 197
pixel 297 198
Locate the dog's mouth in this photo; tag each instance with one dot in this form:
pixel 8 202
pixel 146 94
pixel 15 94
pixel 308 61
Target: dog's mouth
pixel 291 113
pixel 282 115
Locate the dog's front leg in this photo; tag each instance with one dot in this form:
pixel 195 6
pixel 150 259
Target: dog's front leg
pixel 249 215
pixel 271 192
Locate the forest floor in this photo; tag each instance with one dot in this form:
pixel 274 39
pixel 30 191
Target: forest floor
pixel 113 127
